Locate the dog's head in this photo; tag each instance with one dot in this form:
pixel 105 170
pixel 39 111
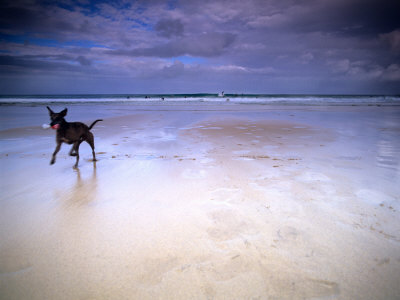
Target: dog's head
pixel 57 118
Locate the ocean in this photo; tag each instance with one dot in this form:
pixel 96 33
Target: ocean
pixel 149 99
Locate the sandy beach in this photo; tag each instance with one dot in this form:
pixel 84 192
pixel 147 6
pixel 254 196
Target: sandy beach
pixel 202 202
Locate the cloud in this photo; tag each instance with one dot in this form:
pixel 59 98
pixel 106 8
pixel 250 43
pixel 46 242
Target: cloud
pixel 366 70
pixel 345 17
pixel 340 66
pixel 306 58
pixel 59 63
pixel 47 21
pixel 169 28
pixel 203 45
pixel 173 70
pixel 393 39
pixel 230 68
pixel 237 69
pixel 265 21
pixel 392 73
pixel 83 60
pixel 22 64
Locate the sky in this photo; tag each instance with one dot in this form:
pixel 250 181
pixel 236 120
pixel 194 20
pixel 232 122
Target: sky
pixel 200 46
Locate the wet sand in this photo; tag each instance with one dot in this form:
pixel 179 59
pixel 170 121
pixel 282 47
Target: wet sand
pixel 187 202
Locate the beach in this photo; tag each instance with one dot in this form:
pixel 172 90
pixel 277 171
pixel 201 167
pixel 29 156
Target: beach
pixel 202 201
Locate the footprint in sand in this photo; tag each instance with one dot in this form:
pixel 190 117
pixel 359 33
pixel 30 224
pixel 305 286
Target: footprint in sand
pixel 227 196
pixel 287 233
pixel 226 225
pixel 153 271
pixel 317 289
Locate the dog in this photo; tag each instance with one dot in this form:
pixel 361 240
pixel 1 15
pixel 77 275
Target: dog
pixel 71 133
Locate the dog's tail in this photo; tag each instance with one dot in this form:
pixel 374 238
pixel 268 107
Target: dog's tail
pixel 91 126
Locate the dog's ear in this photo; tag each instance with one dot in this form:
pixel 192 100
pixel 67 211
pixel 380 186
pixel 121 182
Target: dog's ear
pixel 50 111
pixel 64 112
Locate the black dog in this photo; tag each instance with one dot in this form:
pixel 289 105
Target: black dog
pixel 70 133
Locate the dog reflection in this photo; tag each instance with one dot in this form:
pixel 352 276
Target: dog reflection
pixel 84 190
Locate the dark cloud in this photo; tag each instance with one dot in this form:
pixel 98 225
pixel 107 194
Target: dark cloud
pixel 393 40
pixel 353 17
pixel 46 20
pixel 83 61
pixel 34 63
pixel 34 19
pixel 372 16
pixel 169 28
pixel 203 45
pixel 344 17
pixel 18 18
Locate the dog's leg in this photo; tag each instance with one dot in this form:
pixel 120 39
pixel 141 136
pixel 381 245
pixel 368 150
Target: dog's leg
pixel 75 148
pixel 76 152
pixel 72 152
pixel 53 159
pixel 77 160
pixel 90 141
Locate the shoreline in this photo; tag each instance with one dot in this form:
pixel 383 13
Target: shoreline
pixel 204 99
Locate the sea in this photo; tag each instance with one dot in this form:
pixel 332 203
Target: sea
pixel 205 98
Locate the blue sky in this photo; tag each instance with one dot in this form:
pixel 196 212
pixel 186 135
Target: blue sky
pixel 255 46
